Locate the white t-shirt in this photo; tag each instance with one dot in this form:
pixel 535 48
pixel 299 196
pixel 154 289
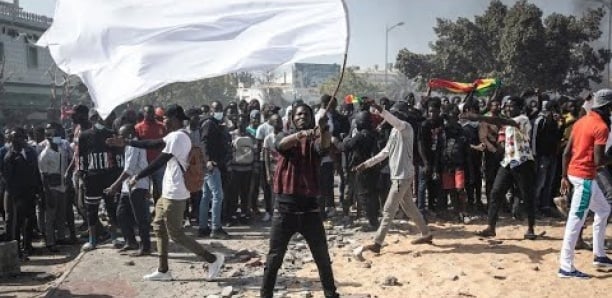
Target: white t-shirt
pixel 178 144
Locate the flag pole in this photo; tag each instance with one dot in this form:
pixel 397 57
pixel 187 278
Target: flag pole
pixel 343 69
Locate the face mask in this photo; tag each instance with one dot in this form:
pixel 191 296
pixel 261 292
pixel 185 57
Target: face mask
pixel 218 115
pixel 56 140
pixel 99 126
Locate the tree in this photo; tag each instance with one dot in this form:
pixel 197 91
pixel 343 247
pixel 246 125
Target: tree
pixel 192 94
pixel 516 45
pixel 351 84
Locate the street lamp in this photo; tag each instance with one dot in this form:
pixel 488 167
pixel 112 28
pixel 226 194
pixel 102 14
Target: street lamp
pixel 387 46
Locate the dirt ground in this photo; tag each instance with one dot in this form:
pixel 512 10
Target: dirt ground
pixel 458 264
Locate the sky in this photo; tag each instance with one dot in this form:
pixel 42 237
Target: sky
pixel 369 18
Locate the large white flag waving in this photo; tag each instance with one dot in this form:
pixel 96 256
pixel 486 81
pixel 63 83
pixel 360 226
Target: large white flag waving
pixel 122 49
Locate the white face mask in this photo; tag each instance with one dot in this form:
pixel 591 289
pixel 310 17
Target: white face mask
pixel 99 126
pixel 218 115
pixel 56 140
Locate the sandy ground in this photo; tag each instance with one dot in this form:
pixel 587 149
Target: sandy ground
pixel 458 264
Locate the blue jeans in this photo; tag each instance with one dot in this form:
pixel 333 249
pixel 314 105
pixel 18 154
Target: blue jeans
pixel 213 189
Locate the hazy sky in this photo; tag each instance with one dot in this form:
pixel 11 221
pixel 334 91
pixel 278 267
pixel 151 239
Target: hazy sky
pixel 368 19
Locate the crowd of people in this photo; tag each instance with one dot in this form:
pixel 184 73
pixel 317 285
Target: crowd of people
pixel 207 167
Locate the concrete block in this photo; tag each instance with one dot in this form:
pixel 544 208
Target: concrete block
pixel 9 259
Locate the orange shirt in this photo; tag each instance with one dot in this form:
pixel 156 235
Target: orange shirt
pixel 587 132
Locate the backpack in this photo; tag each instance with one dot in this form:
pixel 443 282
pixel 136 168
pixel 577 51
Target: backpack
pixel 194 175
pixel 243 150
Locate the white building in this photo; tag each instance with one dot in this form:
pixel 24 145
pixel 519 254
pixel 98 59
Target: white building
pixel 26 80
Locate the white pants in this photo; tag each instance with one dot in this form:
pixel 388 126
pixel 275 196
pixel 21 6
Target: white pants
pixel 587 196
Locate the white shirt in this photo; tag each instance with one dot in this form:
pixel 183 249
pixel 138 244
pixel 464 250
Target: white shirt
pixel 55 162
pixel 517 148
pixel 135 162
pixel 173 186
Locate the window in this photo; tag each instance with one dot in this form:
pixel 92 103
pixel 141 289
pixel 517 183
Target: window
pixel 32 57
pixel 1 51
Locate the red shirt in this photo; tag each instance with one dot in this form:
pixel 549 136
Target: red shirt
pixel 588 131
pixel 297 170
pixel 151 130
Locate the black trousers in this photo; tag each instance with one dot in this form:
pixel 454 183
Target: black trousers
pixel 326 186
pixel 284 226
pixel 267 190
pixel 365 192
pixel 110 204
pixel 492 163
pixel 20 208
pixel 254 186
pixel 241 184
pixel 133 211
pixel 473 183
pixel 524 176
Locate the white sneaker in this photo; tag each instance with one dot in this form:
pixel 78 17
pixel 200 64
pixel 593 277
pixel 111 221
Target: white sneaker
pixel 267 217
pixel 158 276
pixel 358 254
pixel 88 247
pixel 215 267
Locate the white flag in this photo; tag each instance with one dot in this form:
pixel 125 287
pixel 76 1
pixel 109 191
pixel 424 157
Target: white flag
pixel 122 49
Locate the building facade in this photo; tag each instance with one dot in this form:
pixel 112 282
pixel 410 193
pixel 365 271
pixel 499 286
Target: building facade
pixel 26 92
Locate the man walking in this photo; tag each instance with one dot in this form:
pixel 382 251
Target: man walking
pixel 170 207
pixel 399 151
pixel 582 158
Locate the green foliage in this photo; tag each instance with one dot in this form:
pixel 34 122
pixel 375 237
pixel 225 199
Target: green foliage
pixel 351 84
pixel 193 94
pixel 517 45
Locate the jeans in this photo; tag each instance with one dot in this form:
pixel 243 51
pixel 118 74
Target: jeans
pixel 213 190
pixel 547 166
pixel 168 223
pixel 267 190
pixel 284 226
pixel 55 216
pixel 133 210
pixel 524 176
pixel 400 195
pixel 473 183
pixel 432 187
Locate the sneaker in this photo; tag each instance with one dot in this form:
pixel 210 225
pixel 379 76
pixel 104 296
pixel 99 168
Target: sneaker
pixel 215 267
pixel 375 248
pixel 358 253
pixel 486 233
pixel 572 274
pixel 118 244
pixel 158 276
pixel 602 262
pixel 266 217
pixel 427 239
pixel 88 247
pixel 204 232
pixel 219 234
pixel 530 235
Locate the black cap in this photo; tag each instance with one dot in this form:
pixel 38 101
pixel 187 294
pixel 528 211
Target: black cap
pixel 176 111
